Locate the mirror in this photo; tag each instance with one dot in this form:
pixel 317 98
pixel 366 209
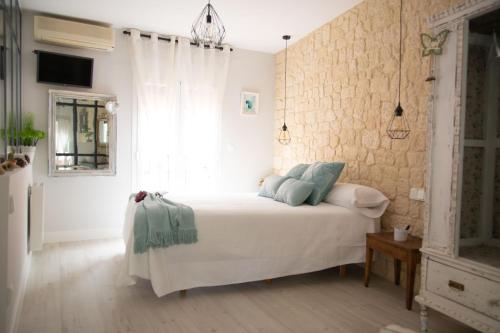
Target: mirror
pixel 82 134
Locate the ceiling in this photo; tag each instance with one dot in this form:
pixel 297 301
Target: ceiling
pixel 256 24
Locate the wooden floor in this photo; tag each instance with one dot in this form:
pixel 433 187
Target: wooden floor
pixel 72 289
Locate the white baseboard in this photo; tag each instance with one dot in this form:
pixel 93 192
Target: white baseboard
pixel 80 235
pixel 19 298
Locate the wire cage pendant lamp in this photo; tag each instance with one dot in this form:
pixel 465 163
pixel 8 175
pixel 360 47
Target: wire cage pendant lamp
pixel 284 137
pixel 398 126
pixel 208 28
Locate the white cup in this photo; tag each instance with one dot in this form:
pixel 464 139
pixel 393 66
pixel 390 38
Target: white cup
pixel 400 234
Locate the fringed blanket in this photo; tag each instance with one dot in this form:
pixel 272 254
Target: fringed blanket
pixel 162 223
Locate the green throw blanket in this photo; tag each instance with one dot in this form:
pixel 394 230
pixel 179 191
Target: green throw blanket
pixel 162 223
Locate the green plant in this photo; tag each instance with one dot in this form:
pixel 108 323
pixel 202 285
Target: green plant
pixel 11 134
pixel 28 120
pixel 29 135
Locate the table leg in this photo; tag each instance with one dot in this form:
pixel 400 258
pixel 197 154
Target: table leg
pixel 424 319
pixel 368 264
pixel 397 271
pixel 410 279
pixel 343 270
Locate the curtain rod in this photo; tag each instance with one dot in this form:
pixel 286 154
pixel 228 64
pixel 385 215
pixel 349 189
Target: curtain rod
pixel 126 32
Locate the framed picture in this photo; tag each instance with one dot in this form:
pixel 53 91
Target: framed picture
pixel 249 103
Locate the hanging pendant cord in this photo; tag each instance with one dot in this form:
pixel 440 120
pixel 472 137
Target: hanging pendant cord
pixel 400 47
pixel 286 59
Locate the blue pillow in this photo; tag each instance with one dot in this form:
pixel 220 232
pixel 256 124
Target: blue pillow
pixel 294 192
pixel 271 185
pixel 297 171
pixel 323 176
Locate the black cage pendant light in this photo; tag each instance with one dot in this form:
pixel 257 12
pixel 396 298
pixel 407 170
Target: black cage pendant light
pixel 284 137
pixel 398 126
pixel 208 28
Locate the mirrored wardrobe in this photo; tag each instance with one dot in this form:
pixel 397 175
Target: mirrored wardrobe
pixel 480 168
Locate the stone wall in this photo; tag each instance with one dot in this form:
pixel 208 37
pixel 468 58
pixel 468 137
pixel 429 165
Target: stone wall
pixel 342 90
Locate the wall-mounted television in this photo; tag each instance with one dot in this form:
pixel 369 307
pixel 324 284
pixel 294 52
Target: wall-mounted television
pixel 64 69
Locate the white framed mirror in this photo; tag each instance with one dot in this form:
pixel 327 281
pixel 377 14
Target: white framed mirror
pixel 82 134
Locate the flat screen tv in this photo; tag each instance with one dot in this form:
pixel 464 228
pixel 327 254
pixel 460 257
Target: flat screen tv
pixel 63 69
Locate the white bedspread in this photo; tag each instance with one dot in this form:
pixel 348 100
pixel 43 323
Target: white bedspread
pixel 244 237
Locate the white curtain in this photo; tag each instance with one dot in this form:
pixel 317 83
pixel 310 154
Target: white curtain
pixel 179 90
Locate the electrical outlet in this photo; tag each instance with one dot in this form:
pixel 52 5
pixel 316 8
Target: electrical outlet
pixel 417 194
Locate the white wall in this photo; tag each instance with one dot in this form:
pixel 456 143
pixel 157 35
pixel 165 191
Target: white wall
pixel 247 141
pixel 81 203
pixel 86 207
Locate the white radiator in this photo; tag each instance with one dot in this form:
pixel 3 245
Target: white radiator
pixel 36 217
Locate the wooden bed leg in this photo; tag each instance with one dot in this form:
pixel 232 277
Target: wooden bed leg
pixel 269 281
pixel 183 292
pixel 343 270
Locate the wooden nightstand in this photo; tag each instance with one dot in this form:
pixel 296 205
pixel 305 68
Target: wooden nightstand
pixel 408 252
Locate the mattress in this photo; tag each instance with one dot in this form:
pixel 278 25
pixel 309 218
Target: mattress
pixel 244 237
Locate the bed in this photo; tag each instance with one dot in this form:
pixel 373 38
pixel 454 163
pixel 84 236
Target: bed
pixel 244 237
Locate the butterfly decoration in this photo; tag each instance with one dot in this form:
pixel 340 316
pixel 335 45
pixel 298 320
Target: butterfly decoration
pixel 433 45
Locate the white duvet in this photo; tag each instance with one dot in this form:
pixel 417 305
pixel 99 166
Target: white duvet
pixel 244 237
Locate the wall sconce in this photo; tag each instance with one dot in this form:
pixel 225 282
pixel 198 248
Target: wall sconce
pixel 112 106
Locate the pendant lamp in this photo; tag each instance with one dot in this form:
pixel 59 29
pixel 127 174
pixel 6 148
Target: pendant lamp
pixel 284 137
pixel 398 126
pixel 208 28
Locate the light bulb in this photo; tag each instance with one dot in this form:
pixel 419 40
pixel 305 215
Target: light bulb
pixel 112 106
pixel 284 137
pixel 398 127
pixel 210 32
pixel 210 28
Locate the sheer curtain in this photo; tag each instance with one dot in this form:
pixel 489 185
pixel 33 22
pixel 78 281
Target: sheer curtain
pixel 179 90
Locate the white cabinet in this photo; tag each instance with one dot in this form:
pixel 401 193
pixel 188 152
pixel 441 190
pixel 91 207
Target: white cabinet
pixel 15 257
pixel 461 245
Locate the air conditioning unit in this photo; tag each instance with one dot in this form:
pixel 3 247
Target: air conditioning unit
pixel 73 34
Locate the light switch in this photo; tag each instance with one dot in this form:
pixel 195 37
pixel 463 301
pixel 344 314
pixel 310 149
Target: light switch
pixel 417 194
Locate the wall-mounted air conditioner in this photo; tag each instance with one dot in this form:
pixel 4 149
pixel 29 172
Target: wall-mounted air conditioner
pixel 73 34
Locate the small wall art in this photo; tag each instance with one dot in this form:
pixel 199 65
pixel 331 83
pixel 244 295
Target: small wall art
pixel 249 103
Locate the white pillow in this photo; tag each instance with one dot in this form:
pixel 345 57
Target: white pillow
pixel 366 200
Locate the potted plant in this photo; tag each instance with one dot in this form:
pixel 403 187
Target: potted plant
pixel 29 135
